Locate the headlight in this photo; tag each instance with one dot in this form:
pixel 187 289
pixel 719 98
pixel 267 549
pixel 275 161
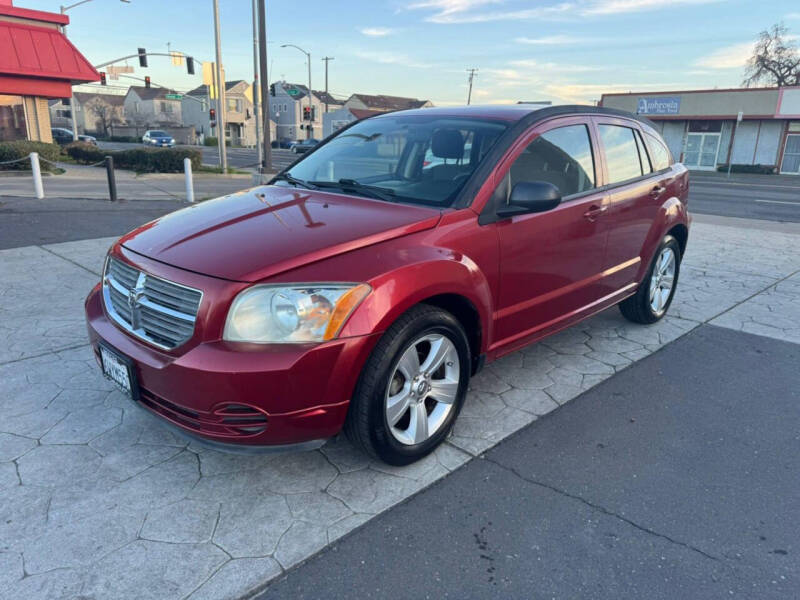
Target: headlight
pixel 301 313
pixel 171 141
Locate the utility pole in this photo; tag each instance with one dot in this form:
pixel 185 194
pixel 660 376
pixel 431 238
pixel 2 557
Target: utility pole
pixel 266 161
pixel 471 77
pixel 220 94
pixel 326 60
pixel 256 104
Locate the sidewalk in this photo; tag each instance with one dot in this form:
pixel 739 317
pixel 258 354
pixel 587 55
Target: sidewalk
pixel 91 183
pixel 97 500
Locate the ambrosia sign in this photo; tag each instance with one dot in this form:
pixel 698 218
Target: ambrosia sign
pixel 659 106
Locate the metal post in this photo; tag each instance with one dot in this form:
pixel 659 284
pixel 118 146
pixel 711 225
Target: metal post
pixel 310 106
pixel 256 104
pixel 220 93
pixel 733 139
pixel 38 188
pixel 112 182
pixel 266 164
pixel 187 174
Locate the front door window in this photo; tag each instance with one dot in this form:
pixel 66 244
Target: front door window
pixel 791 155
pixel 12 119
pixel 701 150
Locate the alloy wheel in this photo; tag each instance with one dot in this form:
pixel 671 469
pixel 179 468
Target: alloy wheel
pixel 662 281
pixel 422 389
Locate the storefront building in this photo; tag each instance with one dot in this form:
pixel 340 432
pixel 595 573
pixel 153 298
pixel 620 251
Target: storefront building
pixel 708 128
pixel 37 63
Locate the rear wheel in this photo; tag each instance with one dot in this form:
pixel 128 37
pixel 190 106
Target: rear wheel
pixel 654 296
pixel 412 387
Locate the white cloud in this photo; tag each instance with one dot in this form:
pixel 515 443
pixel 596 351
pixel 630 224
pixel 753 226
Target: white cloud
pixel 462 11
pixel 377 31
pixel 613 7
pixel 585 93
pixel 550 40
pixel 391 58
pixel 480 11
pixel 729 57
pixel 551 67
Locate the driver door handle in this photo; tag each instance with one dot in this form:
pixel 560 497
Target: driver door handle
pixel 657 191
pixel 594 211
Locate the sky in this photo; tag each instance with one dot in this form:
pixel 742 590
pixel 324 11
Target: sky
pixel 565 51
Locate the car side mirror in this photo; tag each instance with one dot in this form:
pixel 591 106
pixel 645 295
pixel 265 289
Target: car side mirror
pixel 530 197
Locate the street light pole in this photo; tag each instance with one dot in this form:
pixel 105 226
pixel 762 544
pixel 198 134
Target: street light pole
pixel 220 94
pixel 256 104
pixel 64 9
pixel 266 163
pixel 308 58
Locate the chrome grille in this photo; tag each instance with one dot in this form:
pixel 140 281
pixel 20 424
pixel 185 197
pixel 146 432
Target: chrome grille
pixel 151 308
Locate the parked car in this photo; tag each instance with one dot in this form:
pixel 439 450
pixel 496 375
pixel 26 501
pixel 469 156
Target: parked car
pixel 63 136
pixel 303 146
pixel 282 143
pixel 156 137
pixel 361 291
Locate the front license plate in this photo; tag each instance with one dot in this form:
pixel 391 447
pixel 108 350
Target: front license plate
pixel 117 370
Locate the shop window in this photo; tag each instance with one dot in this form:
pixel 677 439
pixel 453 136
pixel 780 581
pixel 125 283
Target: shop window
pixel 705 126
pixel 12 119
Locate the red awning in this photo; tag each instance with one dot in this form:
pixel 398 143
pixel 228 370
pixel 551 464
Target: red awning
pixel 37 61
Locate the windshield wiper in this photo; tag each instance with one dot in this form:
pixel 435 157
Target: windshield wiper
pixel 294 181
pixel 381 193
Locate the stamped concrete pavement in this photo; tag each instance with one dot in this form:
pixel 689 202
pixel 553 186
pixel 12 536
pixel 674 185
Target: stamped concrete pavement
pixel 98 501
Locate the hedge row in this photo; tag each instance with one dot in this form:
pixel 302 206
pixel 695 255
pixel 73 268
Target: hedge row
pixel 21 149
pixel 762 169
pixel 142 160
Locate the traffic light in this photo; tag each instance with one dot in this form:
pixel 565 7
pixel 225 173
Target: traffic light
pixel 212 114
pixel 102 78
pixel 142 57
pixel 147 81
pixel 271 89
pixel 306 113
pixel 190 65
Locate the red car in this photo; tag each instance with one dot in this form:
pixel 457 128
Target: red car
pixel 364 286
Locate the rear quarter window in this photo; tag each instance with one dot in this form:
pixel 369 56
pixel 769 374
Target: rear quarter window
pixel 659 154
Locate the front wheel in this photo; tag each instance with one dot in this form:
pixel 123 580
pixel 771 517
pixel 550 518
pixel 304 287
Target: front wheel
pixel 654 296
pixel 412 387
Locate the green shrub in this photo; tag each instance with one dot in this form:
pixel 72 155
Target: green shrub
pixel 210 141
pixel 22 148
pixel 142 160
pixel 156 160
pixel 84 152
pixel 119 138
pixel 761 169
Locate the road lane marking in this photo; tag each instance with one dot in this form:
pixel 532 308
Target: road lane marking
pixel 779 202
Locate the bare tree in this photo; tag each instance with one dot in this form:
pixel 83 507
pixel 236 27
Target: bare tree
pixel 775 59
pixel 106 115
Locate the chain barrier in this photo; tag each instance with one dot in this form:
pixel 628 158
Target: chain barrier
pixel 11 162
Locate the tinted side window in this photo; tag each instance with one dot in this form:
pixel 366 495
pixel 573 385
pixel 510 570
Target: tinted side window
pixel 659 153
pixel 622 155
pixel 561 156
pixel 644 160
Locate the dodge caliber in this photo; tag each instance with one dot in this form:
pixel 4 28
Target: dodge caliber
pixel 365 284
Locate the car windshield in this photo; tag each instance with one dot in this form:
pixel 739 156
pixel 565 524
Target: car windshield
pixel 418 159
pixel 158 134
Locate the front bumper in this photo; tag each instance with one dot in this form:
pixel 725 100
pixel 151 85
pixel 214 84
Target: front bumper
pixel 302 391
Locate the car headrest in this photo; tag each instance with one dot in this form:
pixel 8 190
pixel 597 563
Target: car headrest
pixel 447 143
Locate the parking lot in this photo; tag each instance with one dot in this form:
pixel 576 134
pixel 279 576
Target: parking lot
pixel 92 485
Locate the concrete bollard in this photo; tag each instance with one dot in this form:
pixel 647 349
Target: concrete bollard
pixel 38 188
pixel 187 171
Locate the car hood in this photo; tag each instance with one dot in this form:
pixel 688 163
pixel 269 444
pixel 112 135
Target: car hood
pixel 261 232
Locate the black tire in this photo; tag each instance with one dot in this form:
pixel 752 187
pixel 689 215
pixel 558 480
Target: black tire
pixel 637 308
pixel 366 425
